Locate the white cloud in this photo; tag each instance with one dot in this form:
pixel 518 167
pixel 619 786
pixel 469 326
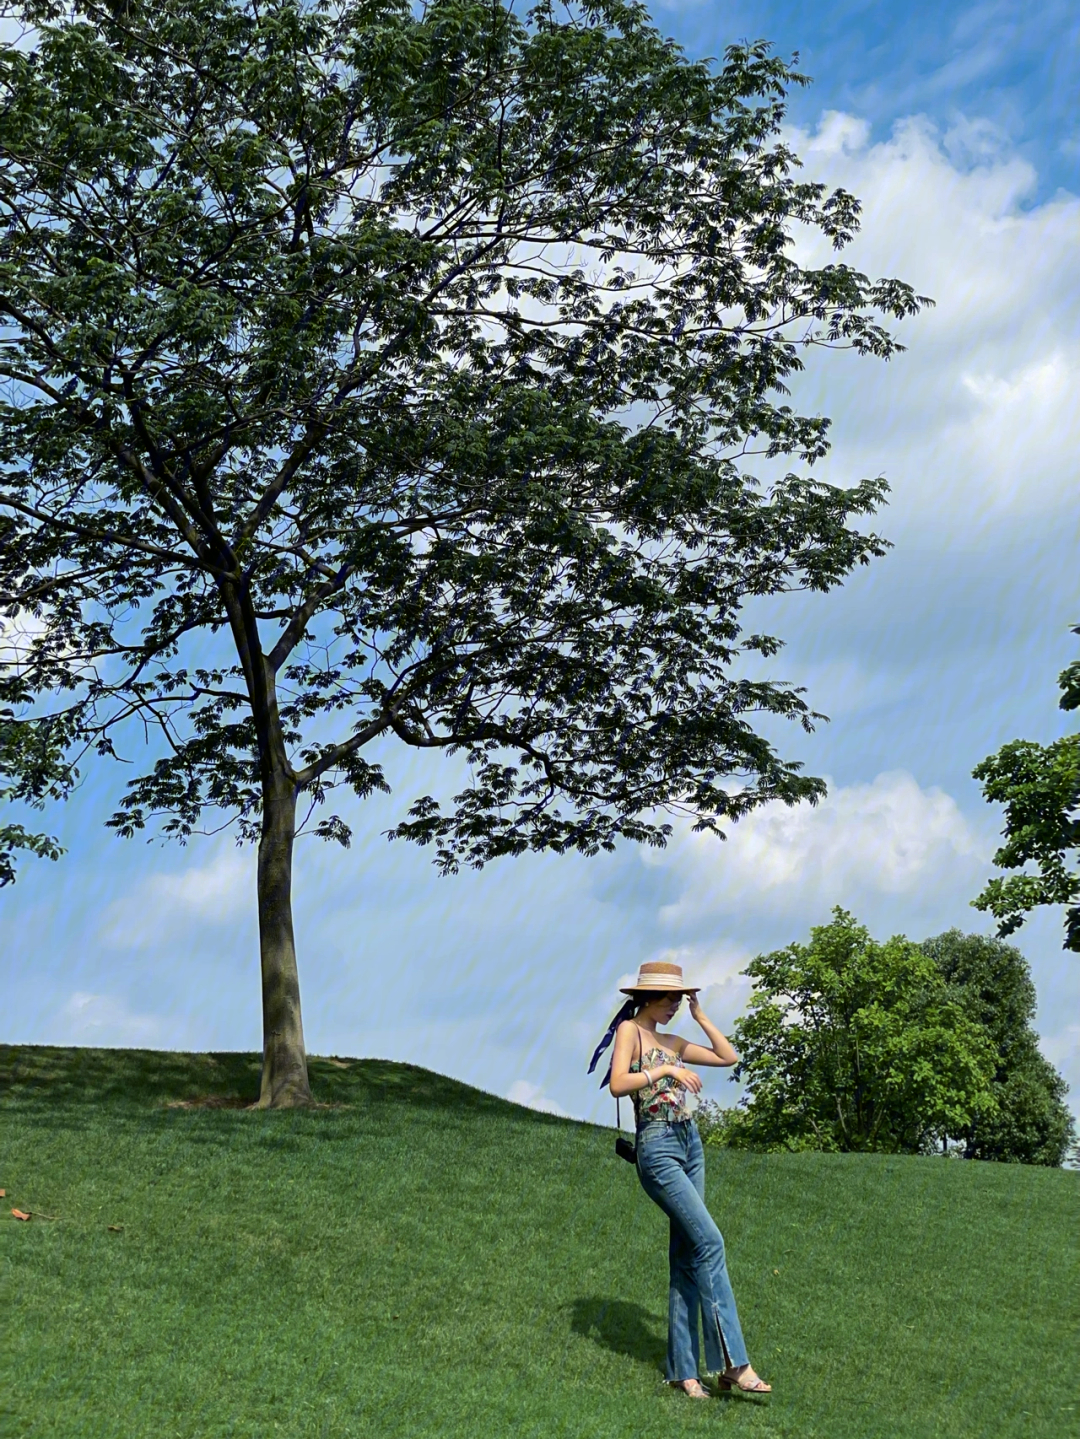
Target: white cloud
pixel 836 134
pixel 210 894
pixel 978 419
pixel 532 1096
pixel 887 837
pixel 1022 432
pixel 100 1019
pixel 215 890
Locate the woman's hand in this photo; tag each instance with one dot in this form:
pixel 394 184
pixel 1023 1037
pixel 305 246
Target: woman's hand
pixel 686 1077
pixel 696 1012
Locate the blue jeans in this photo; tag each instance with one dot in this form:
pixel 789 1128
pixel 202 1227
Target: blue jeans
pixel 671 1167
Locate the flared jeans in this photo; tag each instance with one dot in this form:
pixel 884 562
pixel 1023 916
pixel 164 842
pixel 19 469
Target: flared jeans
pixel 671 1167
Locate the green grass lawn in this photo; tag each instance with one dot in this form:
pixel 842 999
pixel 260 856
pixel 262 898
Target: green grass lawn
pixel 420 1259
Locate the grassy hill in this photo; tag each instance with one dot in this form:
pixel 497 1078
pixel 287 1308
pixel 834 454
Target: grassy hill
pixel 420 1259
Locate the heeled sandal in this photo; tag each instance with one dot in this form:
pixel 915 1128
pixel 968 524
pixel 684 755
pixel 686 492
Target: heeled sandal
pixel 733 1381
pixel 700 1392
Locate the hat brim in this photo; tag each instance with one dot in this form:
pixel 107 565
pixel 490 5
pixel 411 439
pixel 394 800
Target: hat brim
pixel 660 989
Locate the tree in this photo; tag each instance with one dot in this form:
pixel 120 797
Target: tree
pixel 389 372
pixel 1039 785
pixel 1029 1122
pixel 31 772
pixel 854 1045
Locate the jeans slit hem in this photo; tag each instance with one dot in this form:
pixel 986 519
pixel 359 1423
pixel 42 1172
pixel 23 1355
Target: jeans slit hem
pixel 724 1350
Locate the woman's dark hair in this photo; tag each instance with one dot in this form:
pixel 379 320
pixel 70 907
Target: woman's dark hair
pixel 642 998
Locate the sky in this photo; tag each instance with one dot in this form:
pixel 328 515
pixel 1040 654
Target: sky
pixel 957 127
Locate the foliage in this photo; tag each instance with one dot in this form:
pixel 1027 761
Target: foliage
pixel 714 1122
pixel 1029 1122
pixel 854 1045
pixel 496 1272
pixel 410 351
pixel 1039 785
pixel 31 772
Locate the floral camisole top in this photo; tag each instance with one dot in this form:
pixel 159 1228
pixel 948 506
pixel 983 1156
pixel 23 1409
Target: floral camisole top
pixel 666 1099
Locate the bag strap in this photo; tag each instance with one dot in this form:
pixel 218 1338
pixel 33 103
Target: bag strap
pixel 641 1056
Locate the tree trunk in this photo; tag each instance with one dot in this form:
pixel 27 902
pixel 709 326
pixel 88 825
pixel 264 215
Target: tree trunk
pixel 284 1073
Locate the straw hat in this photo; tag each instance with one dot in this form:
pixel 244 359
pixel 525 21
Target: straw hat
pixel 662 977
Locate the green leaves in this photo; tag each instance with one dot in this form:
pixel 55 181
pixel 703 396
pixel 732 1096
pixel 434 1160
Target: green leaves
pixel 1039 785
pixel 1029 1122
pixel 852 1044
pixel 32 772
pixel 376 373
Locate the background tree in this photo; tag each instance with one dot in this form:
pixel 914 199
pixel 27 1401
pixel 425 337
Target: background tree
pixel 1039 785
pixel 854 1045
pixel 382 371
pixel 1029 1122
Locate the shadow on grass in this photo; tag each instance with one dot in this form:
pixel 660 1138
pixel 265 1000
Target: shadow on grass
pixel 620 1326
pixel 48 1076
pixel 51 1076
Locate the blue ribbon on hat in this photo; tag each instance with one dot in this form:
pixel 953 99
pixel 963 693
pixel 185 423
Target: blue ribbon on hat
pixel 627 1012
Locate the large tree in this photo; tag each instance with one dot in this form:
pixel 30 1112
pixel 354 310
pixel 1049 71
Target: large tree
pixel 1029 1122
pixel 1039 785
pixel 389 371
pixel 852 1044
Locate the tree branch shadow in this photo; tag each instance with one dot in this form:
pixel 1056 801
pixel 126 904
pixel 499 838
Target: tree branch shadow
pixel 55 1077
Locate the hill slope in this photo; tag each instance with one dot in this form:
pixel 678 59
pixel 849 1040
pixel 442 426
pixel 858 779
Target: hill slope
pixel 420 1259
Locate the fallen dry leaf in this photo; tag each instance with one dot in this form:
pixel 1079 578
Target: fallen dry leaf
pixel 20 1214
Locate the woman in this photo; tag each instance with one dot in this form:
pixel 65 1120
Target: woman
pixel 671 1165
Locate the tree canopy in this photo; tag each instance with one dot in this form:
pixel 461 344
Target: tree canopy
pixel 1039 785
pixel 1029 1122
pixel 851 1044
pixel 378 371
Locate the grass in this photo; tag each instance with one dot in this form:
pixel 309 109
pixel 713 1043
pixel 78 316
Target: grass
pixel 420 1259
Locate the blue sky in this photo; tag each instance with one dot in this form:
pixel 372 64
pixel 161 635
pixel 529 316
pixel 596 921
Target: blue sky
pixel 957 127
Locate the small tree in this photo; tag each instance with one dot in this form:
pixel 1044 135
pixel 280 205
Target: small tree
pixel 855 1045
pixel 1039 785
pixel 1029 1122
pixel 382 371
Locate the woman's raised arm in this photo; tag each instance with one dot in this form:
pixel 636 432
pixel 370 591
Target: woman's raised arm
pixel 721 1055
